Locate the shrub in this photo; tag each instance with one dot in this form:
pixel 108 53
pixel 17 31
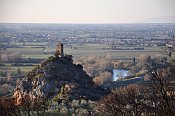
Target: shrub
pixel 100 68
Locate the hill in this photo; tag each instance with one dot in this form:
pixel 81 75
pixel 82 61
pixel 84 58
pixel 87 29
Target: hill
pixel 58 78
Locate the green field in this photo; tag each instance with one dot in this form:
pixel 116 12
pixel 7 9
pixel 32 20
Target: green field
pixel 14 68
pixel 102 50
pixel 84 50
pixel 80 51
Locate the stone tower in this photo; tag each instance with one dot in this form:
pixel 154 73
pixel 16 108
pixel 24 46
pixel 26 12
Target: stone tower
pixel 59 49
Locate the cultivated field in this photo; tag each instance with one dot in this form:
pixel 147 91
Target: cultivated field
pixel 78 51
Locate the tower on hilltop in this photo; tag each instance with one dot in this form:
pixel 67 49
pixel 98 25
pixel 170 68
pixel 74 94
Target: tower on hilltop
pixel 59 50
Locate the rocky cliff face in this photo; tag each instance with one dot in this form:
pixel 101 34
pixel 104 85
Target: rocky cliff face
pixel 58 78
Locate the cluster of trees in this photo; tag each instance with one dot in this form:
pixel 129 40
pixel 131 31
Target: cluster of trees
pixel 42 107
pixel 14 56
pixel 9 107
pixel 142 65
pixel 17 73
pixel 6 89
pixel 9 81
pixel 7 85
pixel 75 107
pixel 100 68
pixel 155 96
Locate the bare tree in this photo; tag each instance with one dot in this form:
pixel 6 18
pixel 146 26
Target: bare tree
pixel 124 102
pixel 103 78
pixel 161 88
pixel 100 68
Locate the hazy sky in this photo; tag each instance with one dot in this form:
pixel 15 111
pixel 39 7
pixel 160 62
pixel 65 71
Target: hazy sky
pixel 84 11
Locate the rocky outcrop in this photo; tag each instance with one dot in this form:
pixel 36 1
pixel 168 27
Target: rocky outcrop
pixel 58 78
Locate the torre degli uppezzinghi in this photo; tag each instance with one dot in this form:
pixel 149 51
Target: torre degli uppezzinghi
pixel 59 50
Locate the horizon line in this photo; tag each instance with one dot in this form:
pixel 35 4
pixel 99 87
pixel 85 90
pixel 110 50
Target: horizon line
pixel 85 23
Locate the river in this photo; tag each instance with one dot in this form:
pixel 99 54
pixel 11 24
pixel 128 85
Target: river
pixel 119 73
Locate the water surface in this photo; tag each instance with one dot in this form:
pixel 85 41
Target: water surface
pixel 119 73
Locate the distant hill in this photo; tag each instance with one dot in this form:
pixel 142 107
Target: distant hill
pixel 165 19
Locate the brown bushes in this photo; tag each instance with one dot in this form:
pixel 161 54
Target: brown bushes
pixel 100 68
